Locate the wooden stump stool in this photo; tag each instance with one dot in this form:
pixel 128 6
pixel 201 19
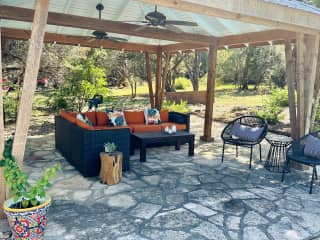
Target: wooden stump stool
pixel 111 167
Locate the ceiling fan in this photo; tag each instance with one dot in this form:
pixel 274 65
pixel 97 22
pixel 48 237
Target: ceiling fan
pixel 98 35
pixel 158 19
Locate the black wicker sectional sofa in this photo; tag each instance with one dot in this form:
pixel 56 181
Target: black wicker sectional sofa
pixel 81 144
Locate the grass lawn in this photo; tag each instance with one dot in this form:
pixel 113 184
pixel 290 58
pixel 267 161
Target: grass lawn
pixel 226 95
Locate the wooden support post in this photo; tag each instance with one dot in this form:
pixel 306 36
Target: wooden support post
pixel 2 185
pixel 310 65
pixel 290 77
pixel 149 79
pixel 164 77
pixel 30 78
pixel 158 78
pixel 212 59
pixel 300 84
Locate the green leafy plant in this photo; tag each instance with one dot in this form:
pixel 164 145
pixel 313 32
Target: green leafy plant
pixel 182 83
pixel 110 147
pixel 272 106
pixel 176 107
pixel 24 194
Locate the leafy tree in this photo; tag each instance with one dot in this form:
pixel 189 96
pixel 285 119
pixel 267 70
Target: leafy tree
pixel 83 80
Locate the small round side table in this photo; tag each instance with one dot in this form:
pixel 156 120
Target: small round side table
pixel 277 152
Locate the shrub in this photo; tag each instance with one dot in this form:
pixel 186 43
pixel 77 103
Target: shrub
pixel 182 83
pixel 280 97
pixel 10 105
pixel 176 107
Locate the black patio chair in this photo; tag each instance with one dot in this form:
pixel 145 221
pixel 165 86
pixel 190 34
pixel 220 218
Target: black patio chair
pixel 247 123
pixel 95 101
pixel 296 153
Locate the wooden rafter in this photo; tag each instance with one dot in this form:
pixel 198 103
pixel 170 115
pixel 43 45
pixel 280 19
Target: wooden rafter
pixel 67 20
pixel 30 79
pixel 237 41
pixel 83 41
pixel 250 11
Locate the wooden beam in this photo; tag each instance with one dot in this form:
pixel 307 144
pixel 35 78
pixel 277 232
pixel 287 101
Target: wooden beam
pixel 164 77
pixel 67 20
pixel 30 79
pixel 83 41
pixel 310 65
pixel 212 60
pixel 300 84
pixel 149 79
pixel 256 37
pixel 251 11
pixel 290 77
pixel 158 78
pixel 2 185
pixel 237 41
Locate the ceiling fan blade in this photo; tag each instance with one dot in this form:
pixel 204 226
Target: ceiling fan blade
pixel 116 39
pixel 173 28
pixel 142 27
pixel 184 23
pixel 134 21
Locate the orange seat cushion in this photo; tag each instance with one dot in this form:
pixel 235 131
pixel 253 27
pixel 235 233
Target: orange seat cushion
pixel 83 125
pixel 134 117
pixel 92 117
pixel 70 116
pixel 164 115
pixel 102 119
pixel 145 128
pixel 179 127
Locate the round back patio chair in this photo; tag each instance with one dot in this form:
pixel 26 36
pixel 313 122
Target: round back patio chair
pixel 245 131
pixel 306 151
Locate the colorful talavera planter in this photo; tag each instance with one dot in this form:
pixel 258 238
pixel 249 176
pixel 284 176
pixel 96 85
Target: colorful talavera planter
pixel 29 223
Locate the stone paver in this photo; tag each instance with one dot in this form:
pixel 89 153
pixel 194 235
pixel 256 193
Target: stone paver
pixel 176 197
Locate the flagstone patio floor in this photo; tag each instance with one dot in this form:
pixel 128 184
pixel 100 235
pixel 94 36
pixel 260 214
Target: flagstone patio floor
pixel 176 197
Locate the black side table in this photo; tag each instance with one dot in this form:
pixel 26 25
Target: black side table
pixel 277 152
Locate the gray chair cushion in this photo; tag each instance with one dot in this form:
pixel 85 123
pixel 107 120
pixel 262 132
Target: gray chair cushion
pixel 312 147
pixel 245 132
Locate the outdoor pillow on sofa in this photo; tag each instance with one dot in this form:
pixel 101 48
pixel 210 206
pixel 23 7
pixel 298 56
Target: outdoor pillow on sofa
pixel 152 116
pixel 312 147
pixel 245 132
pixel 117 118
pixel 84 118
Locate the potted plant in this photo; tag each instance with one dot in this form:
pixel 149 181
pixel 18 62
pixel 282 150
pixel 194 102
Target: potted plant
pixel 109 147
pixel 27 208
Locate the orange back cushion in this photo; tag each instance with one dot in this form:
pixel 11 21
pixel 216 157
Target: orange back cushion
pixel 134 117
pixel 164 115
pixel 102 119
pixel 68 116
pixel 92 117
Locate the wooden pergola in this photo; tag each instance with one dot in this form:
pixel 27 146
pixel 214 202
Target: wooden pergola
pixel 292 25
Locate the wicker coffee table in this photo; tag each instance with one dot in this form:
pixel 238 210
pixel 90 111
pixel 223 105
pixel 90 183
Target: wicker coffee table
pixel 151 139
